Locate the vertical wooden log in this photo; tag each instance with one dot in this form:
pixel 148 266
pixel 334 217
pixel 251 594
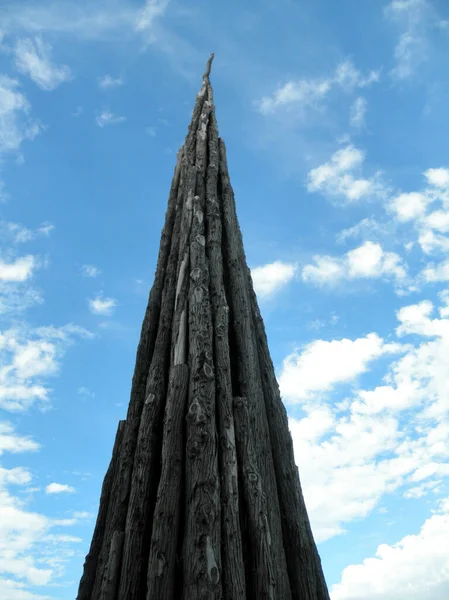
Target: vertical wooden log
pixel 146 460
pixel 109 589
pixel 201 552
pixel 232 559
pixel 304 564
pixel 91 562
pixel 118 506
pixel 161 579
pixel 263 576
pixel 249 380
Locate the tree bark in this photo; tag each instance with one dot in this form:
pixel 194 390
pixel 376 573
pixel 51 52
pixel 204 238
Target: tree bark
pixel 234 587
pixel 202 498
pixel 304 565
pixel 162 574
pixel 249 381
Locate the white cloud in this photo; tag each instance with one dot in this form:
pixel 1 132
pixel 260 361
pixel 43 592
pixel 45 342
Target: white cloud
pixel 439 220
pixel 102 306
pixel 418 563
pixel 321 365
pixel 368 261
pixel 433 273
pixel 411 17
pixel 152 10
pixel 438 177
pixel 358 112
pixel 151 131
pixel 409 207
pixel 19 270
pixel 390 439
pixel 431 242
pixel 108 118
pixel 310 92
pixel 271 278
pixel 339 178
pixel 26 357
pixel 107 82
pixel 366 228
pixel 33 58
pixel 29 555
pixel 15 125
pixel 90 271
pixel 59 488
pixel 86 392
pixel 10 441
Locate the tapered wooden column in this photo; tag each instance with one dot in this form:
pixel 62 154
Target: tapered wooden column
pixel 202 499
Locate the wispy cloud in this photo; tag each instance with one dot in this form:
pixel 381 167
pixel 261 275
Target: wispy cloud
pixel 358 112
pixel 27 358
pixel 107 82
pixel 33 58
pixel 102 306
pixel 15 124
pixel 414 19
pixel 310 92
pixel 108 118
pixel 152 10
pixel 90 271
pixel 339 177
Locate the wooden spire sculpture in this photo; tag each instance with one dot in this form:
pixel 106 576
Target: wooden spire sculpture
pixel 202 498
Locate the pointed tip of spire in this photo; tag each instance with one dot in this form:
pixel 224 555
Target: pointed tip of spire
pixel 208 67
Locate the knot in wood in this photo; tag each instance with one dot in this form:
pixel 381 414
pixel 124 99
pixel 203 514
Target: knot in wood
pixel 208 371
pixel 201 239
pixel 150 398
pixel 195 273
pixel 195 407
pixel 199 216
pixel 253 477
pixel 198 294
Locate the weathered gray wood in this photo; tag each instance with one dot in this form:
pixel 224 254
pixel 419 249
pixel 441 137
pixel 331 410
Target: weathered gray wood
pixel 263 578
pixel 201 552
pixel 145 469
pixel 249 381
pixel 304 565
pixel 118 506
pixel 91 562
pixel 109 589
pixel 202 500
pixel 162 575
pixel 234 587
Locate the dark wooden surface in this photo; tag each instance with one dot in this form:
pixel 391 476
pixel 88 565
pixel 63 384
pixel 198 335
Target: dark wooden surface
pixel 202 499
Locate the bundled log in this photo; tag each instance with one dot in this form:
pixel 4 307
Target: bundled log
pixel 202 499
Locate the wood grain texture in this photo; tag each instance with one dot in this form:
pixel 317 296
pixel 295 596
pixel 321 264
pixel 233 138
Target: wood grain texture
pixel 202 498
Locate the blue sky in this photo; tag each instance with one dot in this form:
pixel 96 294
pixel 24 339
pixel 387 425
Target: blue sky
pixel 335 117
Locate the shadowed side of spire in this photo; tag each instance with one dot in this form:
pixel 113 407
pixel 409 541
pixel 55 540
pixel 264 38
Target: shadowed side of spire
pixel 202 500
